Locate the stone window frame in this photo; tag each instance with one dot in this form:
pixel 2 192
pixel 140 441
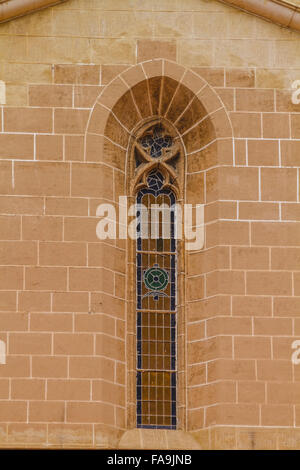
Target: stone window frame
pixel 105 115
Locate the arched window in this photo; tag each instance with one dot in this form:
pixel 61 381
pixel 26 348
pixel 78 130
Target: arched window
pixel 156 154
pixel 193 138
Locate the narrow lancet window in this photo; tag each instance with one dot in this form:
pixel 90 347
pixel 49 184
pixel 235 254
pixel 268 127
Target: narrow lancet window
pixel 156 153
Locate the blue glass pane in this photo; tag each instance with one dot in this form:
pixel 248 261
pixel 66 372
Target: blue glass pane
pixel 155 180
pixel 155 142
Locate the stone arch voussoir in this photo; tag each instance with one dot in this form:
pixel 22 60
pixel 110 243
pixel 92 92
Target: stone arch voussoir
pixel 134 76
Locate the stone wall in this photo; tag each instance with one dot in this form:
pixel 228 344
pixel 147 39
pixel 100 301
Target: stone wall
pixel 63 309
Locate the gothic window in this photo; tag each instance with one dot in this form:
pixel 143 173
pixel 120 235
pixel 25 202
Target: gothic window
pixel 156 155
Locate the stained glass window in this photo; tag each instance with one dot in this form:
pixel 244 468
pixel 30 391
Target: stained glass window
pixel 156 285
